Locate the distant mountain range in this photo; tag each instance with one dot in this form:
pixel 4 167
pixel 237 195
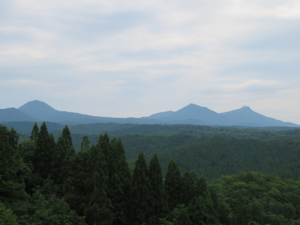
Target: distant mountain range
pixel 191 114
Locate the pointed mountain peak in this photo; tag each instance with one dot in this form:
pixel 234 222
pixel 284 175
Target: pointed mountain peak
pixel 36 104
pixel 246 108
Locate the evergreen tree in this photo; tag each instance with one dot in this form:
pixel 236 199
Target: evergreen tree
pixel 201 186
pixel 43 153
pixel 98 205
pixel 188 188
pixel 173 185
pixel 140 192
pixel 105 143
pixel 57 164
pixel 51 141
pixel 34 132
pixel 197 211
pixel 159 205
pixel 67 136
pixel 119 182
pixel 12 168
pixel 85 144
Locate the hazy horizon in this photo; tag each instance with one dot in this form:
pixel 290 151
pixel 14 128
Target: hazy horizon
pixel 133 59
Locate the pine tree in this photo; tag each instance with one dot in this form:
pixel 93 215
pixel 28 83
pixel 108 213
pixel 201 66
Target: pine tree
pixel 43 153
pixel 105 144
pixel 12 168
pixel 57 164
pixel 197 211
pixel 159 205
pixel 98 205
pixel 140 192
pixel 119 181
pixel 85 144
pixel 67 136
pixel 34 132
pixel 173 185
pixel 188 188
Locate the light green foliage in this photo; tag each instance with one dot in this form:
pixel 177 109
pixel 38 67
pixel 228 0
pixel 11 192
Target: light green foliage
pixel 6 216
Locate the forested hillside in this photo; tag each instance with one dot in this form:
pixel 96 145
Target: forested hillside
pixel 46 182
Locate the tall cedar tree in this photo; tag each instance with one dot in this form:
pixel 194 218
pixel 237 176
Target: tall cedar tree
pixel 67 136
pixel 158 198
pixel 105 144
pixel 72 183
pixel 140 192
pixel 12 168
pixel 188 188
pixel 85 144
pixel 34 132
pixel 43 153
pixel 98 205
pixel 119 180
pixel 57 164
pixel 173 185
pixel 197 211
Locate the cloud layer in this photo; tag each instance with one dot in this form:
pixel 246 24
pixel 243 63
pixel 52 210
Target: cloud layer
pixel 131 58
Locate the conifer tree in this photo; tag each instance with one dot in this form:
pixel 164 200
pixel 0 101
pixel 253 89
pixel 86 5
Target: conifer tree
pixel 140 192
pixel 188 188
pixel 105 143
pixel 51 141
pixel 98 205
pixel 173 185
pixel 67 136
pixel 201 186
pixel 85 144
pixel 43 153
pixel 159 205
pixel 197 211
pixel 57 164
pixel 12 168
pixel 119 181
pixel 34 132
pixel 123 169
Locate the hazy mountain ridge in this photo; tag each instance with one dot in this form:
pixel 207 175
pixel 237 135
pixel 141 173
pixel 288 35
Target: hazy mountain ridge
pixel 191 114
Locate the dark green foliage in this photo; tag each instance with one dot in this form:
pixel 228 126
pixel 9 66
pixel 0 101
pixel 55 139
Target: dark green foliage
pixel 67 136
pixel 13 170
pixel 6 216
pixel 173 185
pixel 97 207
pixel 41 210
pixel 85 144
pixel 35 132
pixel 188 188
pixel 158 198
pixel 240 213
pixel 96 182
pixel 43 153
pixel 140 192
pixel 57 164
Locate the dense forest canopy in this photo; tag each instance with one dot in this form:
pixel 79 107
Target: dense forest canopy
pixel 43 180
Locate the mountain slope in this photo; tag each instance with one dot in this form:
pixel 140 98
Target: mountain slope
pixel 13 114
pixel 45 112
pixel 195 112
pixel 246 117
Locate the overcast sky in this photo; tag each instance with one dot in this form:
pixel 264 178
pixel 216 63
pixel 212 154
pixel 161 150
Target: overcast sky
pixel 127 58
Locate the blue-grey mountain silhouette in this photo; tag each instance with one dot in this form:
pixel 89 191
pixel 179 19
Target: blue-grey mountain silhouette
pixel 191 114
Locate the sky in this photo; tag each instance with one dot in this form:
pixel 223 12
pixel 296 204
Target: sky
pixel 128 58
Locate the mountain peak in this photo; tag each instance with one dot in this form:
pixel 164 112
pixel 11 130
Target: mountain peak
pixel 36 104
